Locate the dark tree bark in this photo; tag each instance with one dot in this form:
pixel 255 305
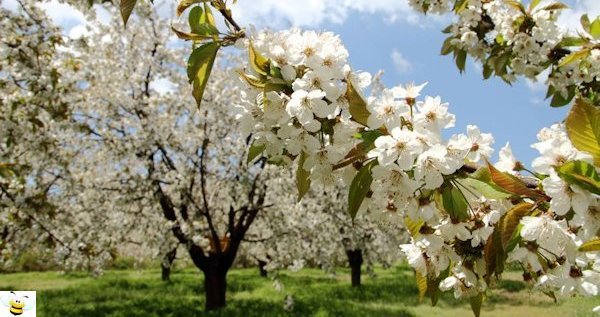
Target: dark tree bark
pixel 261 267
pixel 215 285
pixel 355 259
pixel 166 264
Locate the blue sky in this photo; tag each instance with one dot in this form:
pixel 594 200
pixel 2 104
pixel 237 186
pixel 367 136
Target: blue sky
pixel 388 35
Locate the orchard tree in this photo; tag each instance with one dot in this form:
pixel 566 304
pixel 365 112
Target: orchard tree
pixel 37 86
pixel 151 152
pixel 303 103
pixel 317 232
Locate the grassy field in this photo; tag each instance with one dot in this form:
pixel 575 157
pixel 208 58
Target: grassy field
pixel 391 294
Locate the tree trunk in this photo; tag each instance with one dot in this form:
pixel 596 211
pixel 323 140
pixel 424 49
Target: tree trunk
pixel 166 264
pixel 355 260
pixel 261 267
pixel 215 284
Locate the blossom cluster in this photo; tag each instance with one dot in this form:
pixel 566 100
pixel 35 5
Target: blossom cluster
pixel 302 102
pixel 511 40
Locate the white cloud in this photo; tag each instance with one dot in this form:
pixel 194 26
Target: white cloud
pixel 311 13
pixel 401 64
pixel 569 18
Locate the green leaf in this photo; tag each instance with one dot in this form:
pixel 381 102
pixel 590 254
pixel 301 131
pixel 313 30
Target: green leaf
pixel 421 285
pixel 258 62
pixel 200 65
pixel 454 202
pixel 184 4
pixel 7 170
pixel 533 4
pixel 413 226
pixel 476 302
pixel 501 63
pixel 572 41
pixel 447 47
pixel 585 22
pixel 555 6
pixel 302 177
pixel 358 106
pixel 460 5
pixel 494 254
pixel 255 151
pixel 583 128
pixel 251 80
pixel 582 174
pixel 487 71
pixel 126 9
pixel 595 29
pixel 194 19
pixel 361 184
pixel 491 191
pixel 189 36
pixel 516 4
pixel 558 100
pixel 511 222
pixel 461 60
pixel 433 286
pixel 574 57
pixel 590 246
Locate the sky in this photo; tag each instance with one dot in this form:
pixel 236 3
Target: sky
pixel 387 35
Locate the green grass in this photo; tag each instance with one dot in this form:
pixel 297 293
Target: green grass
pixel 391 294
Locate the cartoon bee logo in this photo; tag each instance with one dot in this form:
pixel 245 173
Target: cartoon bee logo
pixel 17 304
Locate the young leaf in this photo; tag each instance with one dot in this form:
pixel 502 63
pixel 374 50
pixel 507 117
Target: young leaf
pixel 184 4
pixel 413 226
pixel 126 9
pixel 194 20
pixel 188 36
pixel 487 189
pixel 533 4
pixel 461 60
pixel 595 29
pixel 590 246
pixel 199 66
pixel 511 184
pixel 558 100
pixel 583 128
pixel 569 41
pixel 251 80
pixel 358 106
pixel 476 302
pixel 585 22
pixel 447 47
pixel 361 184
pixel 302 177
pixel 421 285
pixel 494 253
pixel 255 151
pixel 582 174
pixel 454 202
pixel 511 222
pixel 555 6
pixel 574 57
pixel 259 63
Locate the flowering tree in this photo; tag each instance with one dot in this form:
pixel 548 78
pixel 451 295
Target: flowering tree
pixel 156 160
pixel 303 103
pixel 37 88
pixel 512 39
pixel 318 232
